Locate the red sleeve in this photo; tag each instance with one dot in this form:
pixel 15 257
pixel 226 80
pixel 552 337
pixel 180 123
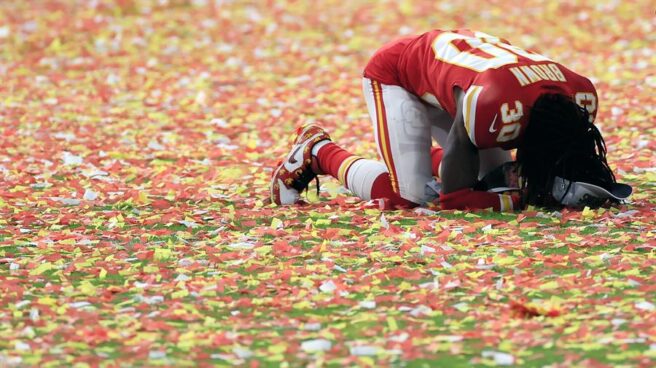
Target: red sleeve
pixel 494 117
pixel 472 199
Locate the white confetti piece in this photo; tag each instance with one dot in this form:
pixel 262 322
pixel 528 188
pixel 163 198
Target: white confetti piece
pixel 21 346
pixel 90 195
pixel 364 350
pixel 402 337
pixel 645 305
pixel 221 123
pixel 66 201
pixel 339 268
pixel 22 303
pixel 190 224
pixel 626 214
pixel 4 32
pixel 383 221
pixel 154 145
pixel 311 346
pixel 156 354
pixel 34 314
pixel 616 322
pixel 314 326
pixel 71 159
pixel 424 211
pixel 452 284
pixel 368 304
pixel 426 249
pixel 241 352
pixel 499 357
pixel 80 305
pixel 182 277
pixel 242 245
pixel 328 286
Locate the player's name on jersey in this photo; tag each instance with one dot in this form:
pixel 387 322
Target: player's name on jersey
pixel 527 74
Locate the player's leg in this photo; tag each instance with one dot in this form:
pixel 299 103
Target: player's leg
pixel 312 154
pixel 402 133
pixel 367 179
pixel 403 136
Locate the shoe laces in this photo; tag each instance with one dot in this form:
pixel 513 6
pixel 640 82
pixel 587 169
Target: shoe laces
pixel 302 181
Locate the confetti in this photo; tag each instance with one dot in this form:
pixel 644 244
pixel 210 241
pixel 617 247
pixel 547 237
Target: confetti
pixel 137 141
pixel 499 358
pixel 316 345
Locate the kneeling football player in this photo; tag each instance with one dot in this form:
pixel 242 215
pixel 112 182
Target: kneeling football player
pixel 478 96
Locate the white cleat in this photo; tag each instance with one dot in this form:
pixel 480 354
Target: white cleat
pixel 294 173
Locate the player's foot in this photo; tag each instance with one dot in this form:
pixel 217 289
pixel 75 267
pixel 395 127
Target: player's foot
pixel 295 172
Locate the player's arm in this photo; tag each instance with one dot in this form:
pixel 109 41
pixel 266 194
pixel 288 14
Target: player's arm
pixel 459 172
pixel 460 162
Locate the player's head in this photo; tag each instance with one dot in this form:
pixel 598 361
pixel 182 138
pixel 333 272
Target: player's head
pixel 560 141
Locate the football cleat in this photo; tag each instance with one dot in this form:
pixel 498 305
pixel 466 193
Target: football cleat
pixel 294 173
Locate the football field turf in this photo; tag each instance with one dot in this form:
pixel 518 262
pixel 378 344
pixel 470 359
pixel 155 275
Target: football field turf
pixel 137 139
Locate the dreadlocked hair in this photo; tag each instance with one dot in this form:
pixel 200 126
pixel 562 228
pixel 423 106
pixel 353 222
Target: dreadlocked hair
pixel 560 141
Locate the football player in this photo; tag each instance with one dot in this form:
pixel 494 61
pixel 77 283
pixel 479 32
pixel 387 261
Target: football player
pixel 478 96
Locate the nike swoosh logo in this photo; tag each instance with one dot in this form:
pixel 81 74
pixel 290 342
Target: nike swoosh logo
pixel 292 159
pixel 492 127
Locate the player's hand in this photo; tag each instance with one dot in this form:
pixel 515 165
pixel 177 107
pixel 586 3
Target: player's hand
pixel 503 178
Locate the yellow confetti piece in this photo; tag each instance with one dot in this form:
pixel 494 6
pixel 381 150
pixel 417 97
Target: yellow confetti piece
pixel 162 254
pixel 146 269
pixel 322 222
pixel 87 288
pixel 367 361
pixel 587 213
pixel 303 304
pixel 391 324
pixel 41 269
pixel 47 301
pixel 276 223
pixel 277 348
pixel 549 285
pixel 263 250
pixel 179 294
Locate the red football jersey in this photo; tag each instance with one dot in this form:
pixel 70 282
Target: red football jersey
pixel 501 81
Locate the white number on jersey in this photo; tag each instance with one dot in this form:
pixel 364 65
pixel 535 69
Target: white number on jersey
pixel 588 101
pixel 510 119
pixel 495 53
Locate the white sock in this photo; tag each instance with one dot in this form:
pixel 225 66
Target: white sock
pixel 361 176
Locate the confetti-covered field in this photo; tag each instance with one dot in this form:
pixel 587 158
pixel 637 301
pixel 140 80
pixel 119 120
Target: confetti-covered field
pixel 137 139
